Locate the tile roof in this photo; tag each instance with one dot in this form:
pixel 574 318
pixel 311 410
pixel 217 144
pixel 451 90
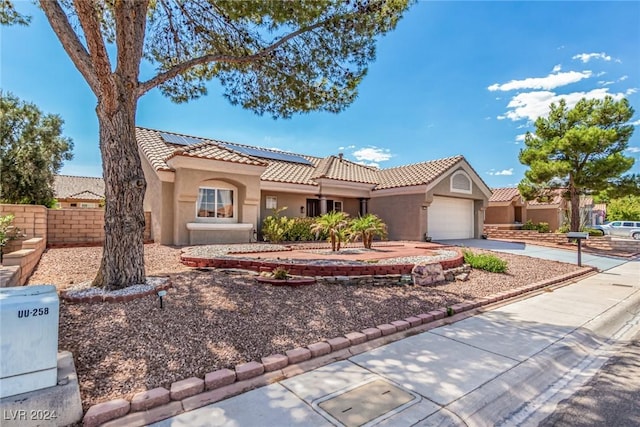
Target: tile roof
pixel 415 174
pixel 158 152
pixel 78 187
pixel 554 197
pixel 504 194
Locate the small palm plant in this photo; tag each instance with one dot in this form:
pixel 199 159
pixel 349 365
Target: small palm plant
pixel 366 228
pixel 334 224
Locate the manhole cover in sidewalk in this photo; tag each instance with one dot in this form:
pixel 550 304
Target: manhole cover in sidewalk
pixel 365 403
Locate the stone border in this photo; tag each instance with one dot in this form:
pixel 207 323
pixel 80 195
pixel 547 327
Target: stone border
pixel 296 269
pixel 186 395
pixel 94 299
pixel 286 282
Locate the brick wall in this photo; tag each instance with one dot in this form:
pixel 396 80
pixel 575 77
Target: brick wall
pixel 61 227
pixel 75 226
pixel 30 219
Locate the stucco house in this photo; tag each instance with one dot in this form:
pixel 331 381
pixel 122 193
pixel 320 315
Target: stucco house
pixel 201 190
pixel 508 209
pixel 78 191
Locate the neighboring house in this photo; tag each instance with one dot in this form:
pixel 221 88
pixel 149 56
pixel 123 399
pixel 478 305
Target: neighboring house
pixel 508 209
pixel 78 191
pixel 206 191
pixel 599 213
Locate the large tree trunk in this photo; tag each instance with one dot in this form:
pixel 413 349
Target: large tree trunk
pixel 123 254
pixel 575 207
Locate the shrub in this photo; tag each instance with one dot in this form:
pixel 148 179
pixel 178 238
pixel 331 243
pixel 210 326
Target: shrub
pixel 529 225
pixel 7 231
pixel 280 273
pixel 300 230
pixel 542 227
pixel 564 228
pixel 486 262
pixel 276 227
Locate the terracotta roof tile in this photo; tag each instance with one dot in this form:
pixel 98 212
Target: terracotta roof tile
pixel 341 169
pixel 332 167
pixel 415 174
pixel 504 194
pixel 78 187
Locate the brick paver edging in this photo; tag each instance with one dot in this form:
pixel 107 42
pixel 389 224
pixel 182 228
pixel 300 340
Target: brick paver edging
pixel 93 299
pixel 301 269
pixel 192 393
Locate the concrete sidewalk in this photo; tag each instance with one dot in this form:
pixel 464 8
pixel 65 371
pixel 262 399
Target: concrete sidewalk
pixel 507 366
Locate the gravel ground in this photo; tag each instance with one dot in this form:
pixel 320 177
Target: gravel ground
pixel 215 319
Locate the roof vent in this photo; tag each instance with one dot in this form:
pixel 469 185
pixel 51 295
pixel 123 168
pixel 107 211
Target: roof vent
pixel 340 156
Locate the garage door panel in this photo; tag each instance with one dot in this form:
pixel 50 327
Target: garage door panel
pixel 450 218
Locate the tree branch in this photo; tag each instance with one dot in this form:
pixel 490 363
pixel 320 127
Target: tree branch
pixel 71 43
pixel 86 11
pixel 130 29
pixel 207 59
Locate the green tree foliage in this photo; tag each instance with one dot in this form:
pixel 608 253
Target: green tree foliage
pixel 9 15
pixel 366 228
pixel 275 57
pixel 335 225
pixel 625 208
pixel 7 232
pixel 32 150
pixel 578 150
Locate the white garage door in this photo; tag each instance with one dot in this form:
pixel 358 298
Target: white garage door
pixel 450 218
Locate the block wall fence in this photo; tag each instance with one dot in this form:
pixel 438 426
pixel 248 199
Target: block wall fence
pixel 61 227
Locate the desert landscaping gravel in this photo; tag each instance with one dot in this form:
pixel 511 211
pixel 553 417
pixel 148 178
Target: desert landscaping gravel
pixel 214 319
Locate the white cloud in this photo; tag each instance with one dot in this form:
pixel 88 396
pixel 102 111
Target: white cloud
pixel 623 78
pixel 520 138
pixel 586 57
pixel 531 105
pixel 504 172
pixel 633 150
pixel 349 147
pixel 557 68
pixel 603 83
pixel 549 82
pixel 631 91
pixel 636 123
pixel 372 155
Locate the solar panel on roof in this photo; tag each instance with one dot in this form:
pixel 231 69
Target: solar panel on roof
pixel 179 139
pixel 267 154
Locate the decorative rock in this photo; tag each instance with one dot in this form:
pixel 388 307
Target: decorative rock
pixel 186 388
pixel 248 370
pixel 298 355
pixel 427 274
pixel 319 349
pixel 462 277
pixel 103 412
pixel 149 399
pixel 274 362
pixel 219 378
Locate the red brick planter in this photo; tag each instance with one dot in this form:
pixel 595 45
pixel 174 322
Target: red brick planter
pixel 286 282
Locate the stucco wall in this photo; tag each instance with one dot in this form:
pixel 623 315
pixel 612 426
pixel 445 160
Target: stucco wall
pixel 499 215
pixel 551 216
pixel 403 214
pixel 186 185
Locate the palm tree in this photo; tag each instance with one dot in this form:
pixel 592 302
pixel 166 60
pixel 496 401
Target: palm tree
pixel 366 228
pixel 332 223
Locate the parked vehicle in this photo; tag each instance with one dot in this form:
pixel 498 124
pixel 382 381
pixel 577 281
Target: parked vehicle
pixel 620 229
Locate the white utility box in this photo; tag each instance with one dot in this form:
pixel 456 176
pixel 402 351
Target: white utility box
pixel 28 338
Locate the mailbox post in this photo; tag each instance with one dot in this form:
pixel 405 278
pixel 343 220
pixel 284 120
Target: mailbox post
pixel 578 236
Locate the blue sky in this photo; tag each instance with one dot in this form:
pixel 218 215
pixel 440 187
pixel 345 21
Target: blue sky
pixel 453 78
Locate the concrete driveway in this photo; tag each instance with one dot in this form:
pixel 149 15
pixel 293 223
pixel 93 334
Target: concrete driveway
pixel 602 263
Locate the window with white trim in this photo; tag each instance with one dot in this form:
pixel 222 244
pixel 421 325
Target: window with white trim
pixel 272 202
pixel 461 183
pixel 216 204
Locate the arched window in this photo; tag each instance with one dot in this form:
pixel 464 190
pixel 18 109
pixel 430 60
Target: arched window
pixel 461 183
pixel 217 202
